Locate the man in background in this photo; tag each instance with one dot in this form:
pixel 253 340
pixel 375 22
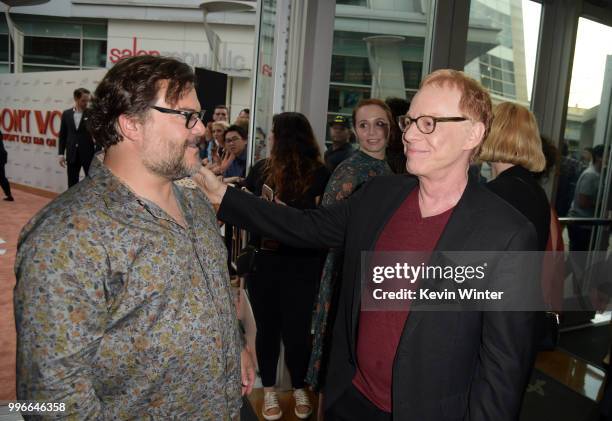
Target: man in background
pixel 236 143
pixel 76 147
pixel 220 113
pixel 585 198
pixel 340 149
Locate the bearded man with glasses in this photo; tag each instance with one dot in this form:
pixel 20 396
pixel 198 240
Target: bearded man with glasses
pixel 123 304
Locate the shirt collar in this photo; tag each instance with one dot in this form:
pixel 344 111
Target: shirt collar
pixel 106 185
pixel 115 193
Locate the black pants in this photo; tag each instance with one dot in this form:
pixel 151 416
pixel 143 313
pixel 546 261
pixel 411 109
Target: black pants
pixel 74 169
pixel 579 236
pixel 353 406
pixel 282 291
pixel 6 187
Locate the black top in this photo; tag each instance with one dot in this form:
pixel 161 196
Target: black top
pixel 254 183
pixel 465 365
pixel 333 157
pixel 517 186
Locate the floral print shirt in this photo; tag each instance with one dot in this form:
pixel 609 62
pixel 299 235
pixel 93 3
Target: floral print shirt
pixel 122 313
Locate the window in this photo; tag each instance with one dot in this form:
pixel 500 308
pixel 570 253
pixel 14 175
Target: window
pixel 502 38
pixel 343 99
pixel 4 46
pixel 349 69
pixel 93 53
pixel 4 51
pixel 412 74
pixel 376 58
pixel 55 51
pixel 51 44
pixel 588 125
pixel 363 3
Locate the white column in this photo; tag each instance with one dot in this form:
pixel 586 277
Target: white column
pixel 314 69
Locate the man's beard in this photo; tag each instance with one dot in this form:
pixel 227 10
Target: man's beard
pixel 173 167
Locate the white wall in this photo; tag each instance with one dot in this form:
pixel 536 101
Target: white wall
pixel 186 41
pixel 241 96
pixel 31 105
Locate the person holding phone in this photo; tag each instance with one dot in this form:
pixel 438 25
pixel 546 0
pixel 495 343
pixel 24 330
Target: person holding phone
pixel 283 283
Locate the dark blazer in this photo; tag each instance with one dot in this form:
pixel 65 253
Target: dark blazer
pixel 517 186
pixel 73 139
pixel 448 365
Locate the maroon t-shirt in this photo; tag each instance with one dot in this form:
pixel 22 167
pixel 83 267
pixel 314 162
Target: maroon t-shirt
pixel 379 332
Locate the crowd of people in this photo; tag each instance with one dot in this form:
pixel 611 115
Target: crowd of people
pixel 123 304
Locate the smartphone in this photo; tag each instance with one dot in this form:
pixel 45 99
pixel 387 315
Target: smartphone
pixel 267 193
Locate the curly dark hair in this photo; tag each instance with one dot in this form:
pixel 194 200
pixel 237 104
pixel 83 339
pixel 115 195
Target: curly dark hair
pixel 294 158
pixel 130 87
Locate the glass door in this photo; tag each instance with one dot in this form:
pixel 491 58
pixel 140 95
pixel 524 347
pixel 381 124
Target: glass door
pixel 584 178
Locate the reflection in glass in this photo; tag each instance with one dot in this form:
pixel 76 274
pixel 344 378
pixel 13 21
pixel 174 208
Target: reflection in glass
pixel 584 179
pixel 500 49
pixel 265 82
pixel 377 53
pixel 94 31
pixel 4 47
pixel 94 53
pixel 344 98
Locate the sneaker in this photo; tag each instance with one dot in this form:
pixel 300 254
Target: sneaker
pixel 271 409
pixel 303 407
pixel 9 199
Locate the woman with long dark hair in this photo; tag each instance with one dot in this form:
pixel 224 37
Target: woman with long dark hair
pixel 283 283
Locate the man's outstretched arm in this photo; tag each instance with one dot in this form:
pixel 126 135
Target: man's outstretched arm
pixel 319 228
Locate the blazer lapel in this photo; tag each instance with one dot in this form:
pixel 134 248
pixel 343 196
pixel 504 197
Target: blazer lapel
pixel 71 119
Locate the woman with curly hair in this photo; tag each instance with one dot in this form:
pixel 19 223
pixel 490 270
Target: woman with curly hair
pixel 283 284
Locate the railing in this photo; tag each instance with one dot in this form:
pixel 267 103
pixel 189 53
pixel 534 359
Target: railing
pixel 585 221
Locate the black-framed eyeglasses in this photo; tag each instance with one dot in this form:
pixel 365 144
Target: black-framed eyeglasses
pixel 191 117
pixel 425 123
